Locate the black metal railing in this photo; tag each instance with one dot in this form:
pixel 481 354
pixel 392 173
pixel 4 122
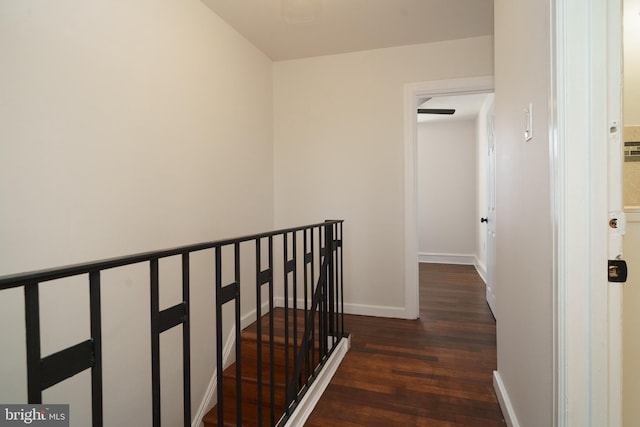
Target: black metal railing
pixel 315 268
pixel 327 304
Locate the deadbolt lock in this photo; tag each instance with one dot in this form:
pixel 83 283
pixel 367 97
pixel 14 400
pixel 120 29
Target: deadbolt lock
pixel 617 223
pixel 617 270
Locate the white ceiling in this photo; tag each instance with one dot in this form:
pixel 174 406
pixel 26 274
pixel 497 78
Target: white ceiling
pixel 290 29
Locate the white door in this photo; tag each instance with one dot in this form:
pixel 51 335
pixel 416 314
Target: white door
pixel 491 212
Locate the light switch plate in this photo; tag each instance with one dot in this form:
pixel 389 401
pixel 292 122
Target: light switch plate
pixel 528 123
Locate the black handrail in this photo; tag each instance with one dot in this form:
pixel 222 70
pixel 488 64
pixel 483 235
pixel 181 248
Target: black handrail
pixel 44 275
pixel 327 301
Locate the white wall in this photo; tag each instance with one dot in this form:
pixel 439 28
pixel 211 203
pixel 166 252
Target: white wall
pixel 523 212
pixel 447 191
pixel 125 127
pixel 338 148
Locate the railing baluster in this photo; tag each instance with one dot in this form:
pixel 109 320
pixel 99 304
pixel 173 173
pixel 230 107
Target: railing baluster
pixel 186 342
pixel 32 323
pixel 307 259
pixel 341 281
pixel 272 358
pixel 322 313
pixel 285 269
pixel 294 267
pixel 336 269
pixel 337 284
pixel 327 290
pixel 329 286
pixel 259 327
pixel 96 335
pixel 316 261
pixel 238 337
pixel 155 341
pixel 219 367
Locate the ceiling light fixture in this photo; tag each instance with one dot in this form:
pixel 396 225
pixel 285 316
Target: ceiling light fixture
pixel 301 12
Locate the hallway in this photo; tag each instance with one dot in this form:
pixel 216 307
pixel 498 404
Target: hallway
pixel 434 371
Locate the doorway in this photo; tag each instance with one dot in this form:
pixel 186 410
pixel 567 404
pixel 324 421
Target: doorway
pixel 413 94
pixel 455 171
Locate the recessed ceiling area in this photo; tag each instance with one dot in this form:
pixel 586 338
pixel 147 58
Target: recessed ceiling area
pixel 291 29
pixel 467 107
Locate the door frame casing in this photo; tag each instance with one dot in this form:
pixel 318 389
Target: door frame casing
pixel 587 308
pixel 616 202
pixel 462 86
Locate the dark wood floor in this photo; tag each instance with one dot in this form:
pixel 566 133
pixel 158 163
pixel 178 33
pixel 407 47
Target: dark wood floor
pixel 435 371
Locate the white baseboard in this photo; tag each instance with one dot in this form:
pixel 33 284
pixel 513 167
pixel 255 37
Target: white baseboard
pixel 210 394
pixel 505 404
pixel 446 258
pixel 311 398
pixel 376 310
pixel 359 309
pixel 250 317
pixel 228 357
pixel 481 269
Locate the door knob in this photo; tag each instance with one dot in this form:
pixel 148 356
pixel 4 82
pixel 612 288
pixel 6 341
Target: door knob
pixel 484 220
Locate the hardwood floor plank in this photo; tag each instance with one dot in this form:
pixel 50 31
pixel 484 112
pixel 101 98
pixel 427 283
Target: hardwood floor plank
pixel 434 371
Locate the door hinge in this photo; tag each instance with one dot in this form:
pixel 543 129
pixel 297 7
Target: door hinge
pixel 617 270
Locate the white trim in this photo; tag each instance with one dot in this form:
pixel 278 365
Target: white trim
pixel 579 186
pixel 358 309
pixel 411 92
pixel 228 357
pixel 615 197
pixel 615 354
pixel 279 302
pixel 505 404
pixel 377 311
pixel 557 193
pixel 482 271
pixel 311 398
pixel 210 393
pixel 250 317
pixel 446 258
